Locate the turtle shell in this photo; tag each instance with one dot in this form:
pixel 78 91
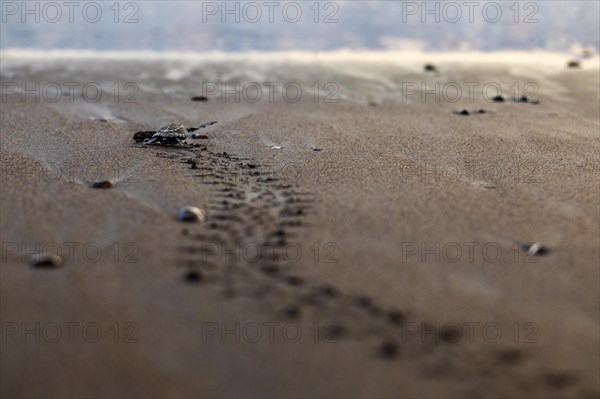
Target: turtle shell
pixel 172 130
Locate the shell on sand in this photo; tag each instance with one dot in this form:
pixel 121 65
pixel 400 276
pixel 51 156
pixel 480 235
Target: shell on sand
pixel 535 248
pixel 46 260
pixel 191 214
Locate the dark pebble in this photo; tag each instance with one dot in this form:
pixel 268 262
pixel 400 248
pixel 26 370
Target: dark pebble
pixel 573 64
pixel 193 277
pixel 270 269
pixel 327 290
pixel 294 281
pixel 389 349
pixel 364 301
pixel 291 312
pixel 559 380
pixel 102 184
pixel 375 311
pixel 498 99
pixel 525 99
pixel 462 112
pixel 429 68
pixel 396 317
pixel 510 356
pixel 333 332
pixel 199 98
pixel 450 334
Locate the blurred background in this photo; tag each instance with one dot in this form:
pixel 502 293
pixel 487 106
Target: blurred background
pixel 302 25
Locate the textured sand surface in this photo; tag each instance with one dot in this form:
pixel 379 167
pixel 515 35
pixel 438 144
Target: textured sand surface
pixel 358 241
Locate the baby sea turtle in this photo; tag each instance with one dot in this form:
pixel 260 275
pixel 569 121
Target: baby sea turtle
pixel 171 134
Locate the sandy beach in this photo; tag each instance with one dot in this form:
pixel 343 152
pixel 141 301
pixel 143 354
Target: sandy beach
pixel 363 237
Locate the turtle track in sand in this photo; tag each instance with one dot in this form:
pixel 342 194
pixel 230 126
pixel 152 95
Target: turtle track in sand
pixel 252 210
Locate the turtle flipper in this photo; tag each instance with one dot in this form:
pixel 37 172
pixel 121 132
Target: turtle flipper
pixel 204 125
pixel 151 141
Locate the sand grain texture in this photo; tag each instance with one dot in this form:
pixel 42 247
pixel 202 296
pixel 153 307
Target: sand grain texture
pixel 392 175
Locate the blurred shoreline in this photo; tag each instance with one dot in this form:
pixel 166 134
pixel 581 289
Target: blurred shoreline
pixel 508 56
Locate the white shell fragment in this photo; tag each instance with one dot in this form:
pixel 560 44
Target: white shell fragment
pixel 45 260
pixel 191 214
pixel 535 248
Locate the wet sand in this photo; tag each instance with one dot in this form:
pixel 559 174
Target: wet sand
pixel 388 264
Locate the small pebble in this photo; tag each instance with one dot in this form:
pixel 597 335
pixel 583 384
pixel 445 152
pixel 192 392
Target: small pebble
pixel 389 349
pixel 462 112
pixel 396 316
pixel 294 281
pixel 510 356
pixel 429 68
pixel 270 269
pixel 535 248
pixel 450 335
pixel 334 332
pixel 327 290
pixel 559 379
pixel 102 184
pixel 45 260
pixel 317 149
pixel 191 214
pixel 193 277
pixel 498 99
pixel 525 99
pixel 573 64
pixel 291 312
pixel 199 98
pixel 364 301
